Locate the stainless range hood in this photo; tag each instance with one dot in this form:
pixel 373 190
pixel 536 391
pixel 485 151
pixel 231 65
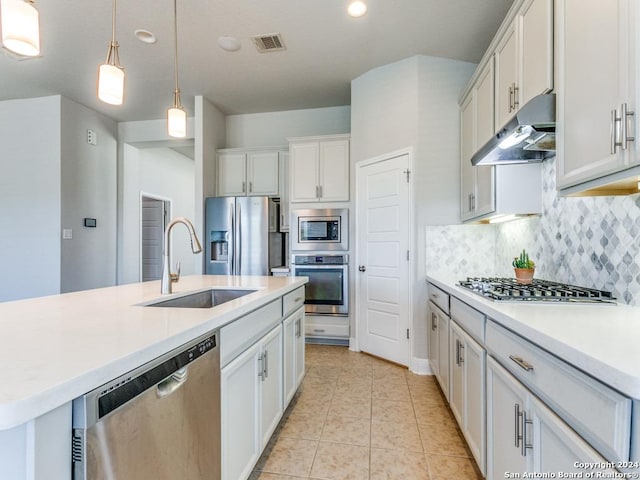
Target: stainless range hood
pixel 527 138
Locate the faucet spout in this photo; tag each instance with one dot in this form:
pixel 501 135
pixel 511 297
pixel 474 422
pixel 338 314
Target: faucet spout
pixel 167 277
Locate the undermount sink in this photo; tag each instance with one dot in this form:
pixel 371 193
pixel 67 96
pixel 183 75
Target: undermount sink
pixel 204 299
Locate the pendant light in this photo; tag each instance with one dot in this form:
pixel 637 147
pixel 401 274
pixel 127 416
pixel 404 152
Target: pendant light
pixel 20 27
pixel 110 73
pixel 176 116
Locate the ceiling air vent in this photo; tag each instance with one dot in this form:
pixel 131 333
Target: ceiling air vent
pixel 268 43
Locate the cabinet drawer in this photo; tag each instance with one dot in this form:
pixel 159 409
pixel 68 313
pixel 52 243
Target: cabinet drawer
pixel 439 297
pixel 470 319
pixel 244 332
pixel 601 415
pixel 292 301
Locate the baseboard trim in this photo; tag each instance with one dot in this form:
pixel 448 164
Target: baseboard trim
pixel 420 366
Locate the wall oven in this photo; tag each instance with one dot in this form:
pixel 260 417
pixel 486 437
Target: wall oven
pixel 320 229
pixel 327 290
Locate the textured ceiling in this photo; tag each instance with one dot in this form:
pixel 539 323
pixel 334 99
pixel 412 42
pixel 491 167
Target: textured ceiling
pixel 326 49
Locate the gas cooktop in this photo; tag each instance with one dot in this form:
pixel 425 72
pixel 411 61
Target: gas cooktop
pixel 508 289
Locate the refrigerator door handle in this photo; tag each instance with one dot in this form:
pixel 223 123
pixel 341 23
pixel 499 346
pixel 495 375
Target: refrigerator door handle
pixel 239 218
pixel 231 256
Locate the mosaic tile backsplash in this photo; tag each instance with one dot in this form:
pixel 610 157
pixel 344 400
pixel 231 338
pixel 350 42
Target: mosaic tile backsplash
pixel 589 241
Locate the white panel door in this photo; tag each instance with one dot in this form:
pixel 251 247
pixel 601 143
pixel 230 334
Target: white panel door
pixel 232 174
pixel 383 249
pixel 153 221
pixel 334 171
pixel 304 161
pixel 271 388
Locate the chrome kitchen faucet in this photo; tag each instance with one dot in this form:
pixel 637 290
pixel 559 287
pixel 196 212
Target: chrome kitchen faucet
pixel 167 277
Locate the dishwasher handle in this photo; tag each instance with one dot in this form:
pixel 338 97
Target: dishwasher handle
pixel 172 383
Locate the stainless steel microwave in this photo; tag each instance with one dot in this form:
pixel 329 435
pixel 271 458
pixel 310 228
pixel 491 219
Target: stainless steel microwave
pixel 320 229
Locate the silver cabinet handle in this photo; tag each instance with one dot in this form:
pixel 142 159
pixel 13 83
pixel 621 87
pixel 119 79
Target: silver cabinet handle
pixel 435 295
pixel 624 118
pixel 614 131
pixel 266 364
pixel 516 102
pixel 434 323
pixel 318 330
pixel 244 187
pixel 516 425
pixel 510 99
pixel 320 189
pixel 250 187
pixel 261 369
pixel 525 445
pixel 521 363
pixel 461 353
pixel 317 191
pixel 458 346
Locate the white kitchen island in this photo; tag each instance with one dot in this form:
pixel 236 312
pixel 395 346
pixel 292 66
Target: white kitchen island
pixel 54 349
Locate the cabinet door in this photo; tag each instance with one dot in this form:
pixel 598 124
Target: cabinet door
pixel 536 53
pixel 443 353
pixel 467 149
pixel 289 326
pixel 300 347
pixel 304 165
pixel 334 171
pixel 232 174
pixel 456 363
pixel 433 338
pixel 555 446
pixel 271 386
pixel 483 94
pixel 284 192
pixel 506 398
pixel 506 58
pixel 262 173
pixel 240 415
pixel 588 91
pixel 474 421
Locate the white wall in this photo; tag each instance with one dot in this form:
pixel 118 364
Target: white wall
pixel 164 173
pixel 413 103
pixel 209 136
pixel 273 128
pixel 88 189
pixel 29 197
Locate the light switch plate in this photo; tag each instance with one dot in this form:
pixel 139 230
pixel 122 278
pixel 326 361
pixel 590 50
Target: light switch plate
pixel 67 234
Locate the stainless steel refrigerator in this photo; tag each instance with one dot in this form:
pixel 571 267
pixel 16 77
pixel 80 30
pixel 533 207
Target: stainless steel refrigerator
pixel 242 236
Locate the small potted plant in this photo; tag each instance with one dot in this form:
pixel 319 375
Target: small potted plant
pixel 524 268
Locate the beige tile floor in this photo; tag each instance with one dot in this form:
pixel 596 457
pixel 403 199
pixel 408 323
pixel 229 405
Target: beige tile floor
pixel 358 417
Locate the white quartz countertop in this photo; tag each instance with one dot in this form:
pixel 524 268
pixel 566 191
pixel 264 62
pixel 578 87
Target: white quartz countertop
pixel 56 348
pixel 601 340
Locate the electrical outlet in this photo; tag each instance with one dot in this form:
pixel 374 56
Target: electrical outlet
pixel 92 137
pixel 67 234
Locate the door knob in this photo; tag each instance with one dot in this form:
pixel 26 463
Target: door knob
pixel 362 268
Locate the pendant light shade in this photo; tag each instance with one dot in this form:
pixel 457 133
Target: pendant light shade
pixel 177 122
pixel 110 73
pixel 20 27
pixel 176 116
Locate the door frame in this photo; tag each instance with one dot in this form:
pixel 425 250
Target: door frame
pixel 355 344
pixel 169 206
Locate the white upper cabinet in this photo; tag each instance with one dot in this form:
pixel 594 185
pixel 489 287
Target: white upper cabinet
pixel 476 124
pixel 597 50
pixel 524 59
pixel 248 173
pixel 319 169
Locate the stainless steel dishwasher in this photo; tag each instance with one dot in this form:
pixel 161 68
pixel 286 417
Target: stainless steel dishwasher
pixel 160 421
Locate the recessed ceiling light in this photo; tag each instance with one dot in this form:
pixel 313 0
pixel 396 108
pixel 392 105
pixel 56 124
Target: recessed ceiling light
pixel 145 36
pixel 357 8
pixel 230 44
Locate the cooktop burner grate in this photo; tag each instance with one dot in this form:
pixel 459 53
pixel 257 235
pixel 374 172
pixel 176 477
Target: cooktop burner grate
pixel 508 289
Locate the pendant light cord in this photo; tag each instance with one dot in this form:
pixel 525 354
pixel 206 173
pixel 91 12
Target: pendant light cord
pixel 176 99
pixel 113 22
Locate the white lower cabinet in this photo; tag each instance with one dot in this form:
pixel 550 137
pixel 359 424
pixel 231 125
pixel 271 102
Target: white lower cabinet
pixel 252 404
pixel 439 346
pixel 524 435
pixel 293 353
pixel 467 389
